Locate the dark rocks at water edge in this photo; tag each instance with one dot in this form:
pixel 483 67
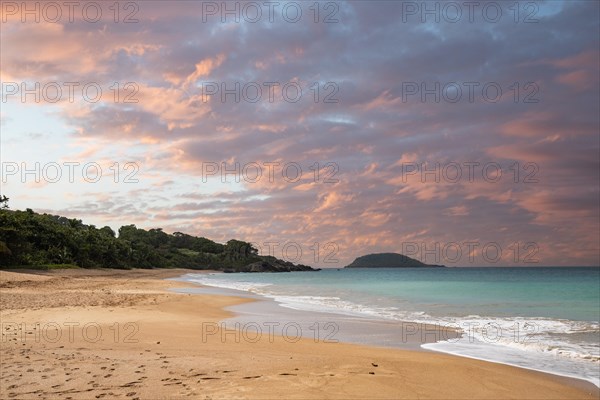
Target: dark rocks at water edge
pixel 272 266
pixel 389 260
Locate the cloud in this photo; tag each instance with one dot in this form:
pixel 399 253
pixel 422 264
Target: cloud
pixel 352 131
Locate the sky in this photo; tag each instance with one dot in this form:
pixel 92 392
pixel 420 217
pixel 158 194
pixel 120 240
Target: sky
pixel 457 133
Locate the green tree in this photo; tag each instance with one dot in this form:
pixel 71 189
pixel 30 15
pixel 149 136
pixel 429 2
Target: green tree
pixel 3 202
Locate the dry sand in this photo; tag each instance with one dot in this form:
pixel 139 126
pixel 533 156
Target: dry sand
pixel 123 335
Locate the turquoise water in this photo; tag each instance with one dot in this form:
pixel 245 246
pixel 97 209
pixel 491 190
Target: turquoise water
pixel 540 318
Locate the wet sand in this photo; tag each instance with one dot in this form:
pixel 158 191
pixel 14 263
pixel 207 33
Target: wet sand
pixel 87 334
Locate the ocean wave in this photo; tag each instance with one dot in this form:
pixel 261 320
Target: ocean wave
pixel 528 334
pixel 549 345
pixel 535 343
pixel 202 279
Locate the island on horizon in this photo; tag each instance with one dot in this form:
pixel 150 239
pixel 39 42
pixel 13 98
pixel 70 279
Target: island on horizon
pixel 389 260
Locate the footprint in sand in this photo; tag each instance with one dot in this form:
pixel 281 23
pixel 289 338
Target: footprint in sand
pixel 252 377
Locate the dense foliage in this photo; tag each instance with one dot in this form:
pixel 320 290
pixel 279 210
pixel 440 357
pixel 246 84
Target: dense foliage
pixel 31 239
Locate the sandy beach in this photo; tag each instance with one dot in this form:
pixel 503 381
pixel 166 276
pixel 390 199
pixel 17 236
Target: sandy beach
pixel 90 334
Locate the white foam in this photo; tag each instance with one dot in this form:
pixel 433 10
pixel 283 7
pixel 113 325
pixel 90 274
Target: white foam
pixel 548 363
pixel 535 343
pixel 203 279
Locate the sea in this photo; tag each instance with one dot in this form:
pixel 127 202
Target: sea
pixel 540 318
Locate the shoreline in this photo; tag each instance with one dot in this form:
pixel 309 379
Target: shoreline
pixel 175 355
pixel 342 327
pixel 421 335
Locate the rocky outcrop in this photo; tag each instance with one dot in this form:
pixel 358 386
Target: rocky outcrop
pixel 389 260
pixel 272 265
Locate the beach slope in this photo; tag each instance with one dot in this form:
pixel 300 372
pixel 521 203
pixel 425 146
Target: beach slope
pixel 86 334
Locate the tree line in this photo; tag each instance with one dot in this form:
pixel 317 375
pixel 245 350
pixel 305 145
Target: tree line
pixel 28 238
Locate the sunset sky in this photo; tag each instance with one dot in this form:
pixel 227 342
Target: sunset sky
pixel 374 118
